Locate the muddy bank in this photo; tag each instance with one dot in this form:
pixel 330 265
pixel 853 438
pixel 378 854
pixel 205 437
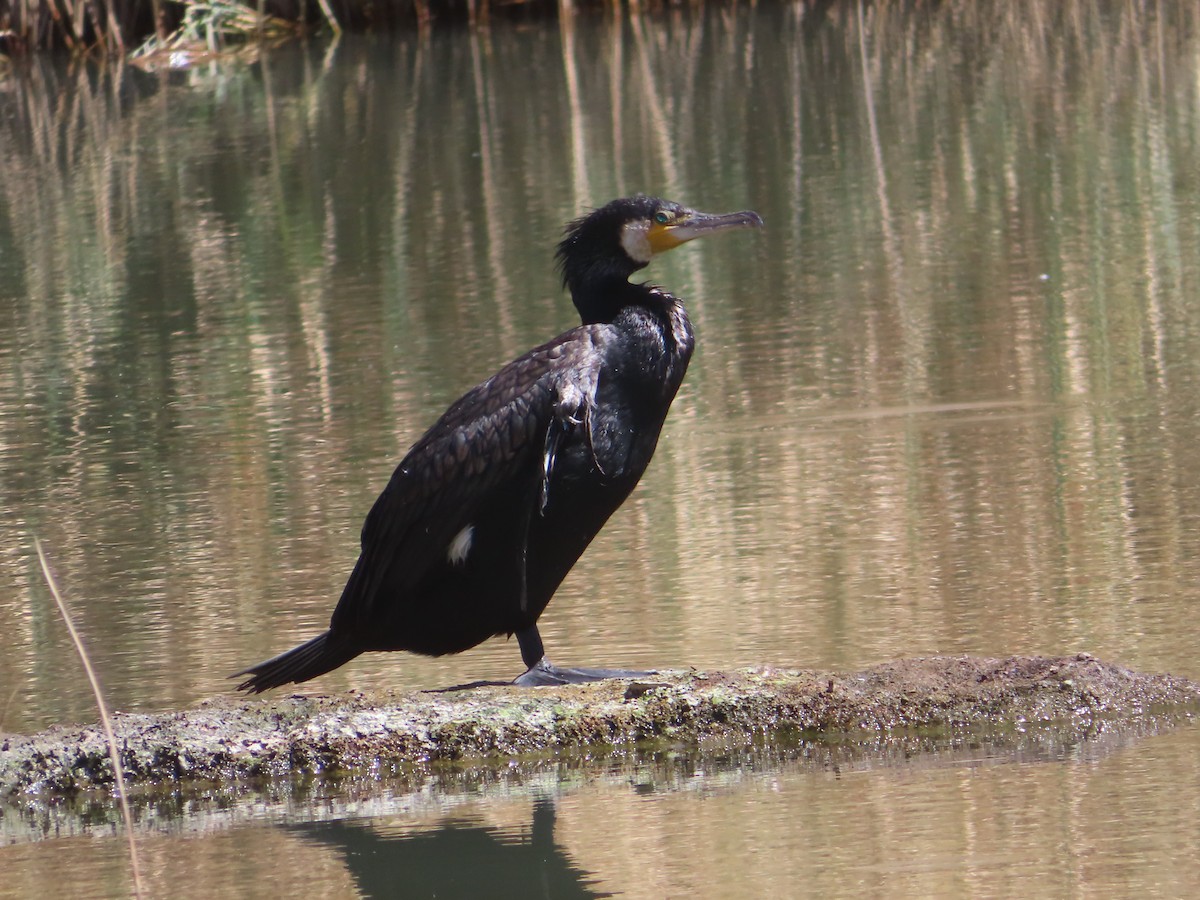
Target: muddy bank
pixel 231 740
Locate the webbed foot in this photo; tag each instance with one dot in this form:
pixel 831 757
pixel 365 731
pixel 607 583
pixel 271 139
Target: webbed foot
pixel 544 673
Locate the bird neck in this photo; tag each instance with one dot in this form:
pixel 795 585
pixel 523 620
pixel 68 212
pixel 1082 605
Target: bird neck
pixel 601 300
pixel 635 306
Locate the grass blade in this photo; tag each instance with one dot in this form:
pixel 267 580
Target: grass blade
pixel 113 753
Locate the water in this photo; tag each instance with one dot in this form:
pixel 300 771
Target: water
pixel 1039 817
pixel 946 402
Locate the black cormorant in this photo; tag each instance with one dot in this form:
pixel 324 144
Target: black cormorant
pixel 491 508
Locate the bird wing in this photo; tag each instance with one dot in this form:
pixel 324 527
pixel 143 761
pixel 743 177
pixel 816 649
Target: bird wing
pixel 499 434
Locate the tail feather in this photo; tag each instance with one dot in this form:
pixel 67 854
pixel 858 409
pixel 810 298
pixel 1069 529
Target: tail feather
pixel 322 654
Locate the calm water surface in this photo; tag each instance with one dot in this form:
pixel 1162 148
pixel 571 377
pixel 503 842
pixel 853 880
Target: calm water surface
pixel 948 401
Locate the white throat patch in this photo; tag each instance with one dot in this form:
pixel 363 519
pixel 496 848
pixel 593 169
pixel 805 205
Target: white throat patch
pixel 635 240
pixel 460 546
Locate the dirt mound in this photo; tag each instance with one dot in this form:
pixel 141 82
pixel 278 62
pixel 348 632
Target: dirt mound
pixel 231 740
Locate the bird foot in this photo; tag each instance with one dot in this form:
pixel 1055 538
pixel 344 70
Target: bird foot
pixel 544 673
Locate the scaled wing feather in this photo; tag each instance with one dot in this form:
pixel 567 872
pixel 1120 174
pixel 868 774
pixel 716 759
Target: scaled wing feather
pixel 485 441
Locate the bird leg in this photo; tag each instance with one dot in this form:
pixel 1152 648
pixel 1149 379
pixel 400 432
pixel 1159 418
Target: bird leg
pixel 532 651
pixel 541 672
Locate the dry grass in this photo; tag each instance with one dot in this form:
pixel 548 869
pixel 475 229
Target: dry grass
pixel 113 27
pixel 209 29
pixel 78 25
pixel 114 754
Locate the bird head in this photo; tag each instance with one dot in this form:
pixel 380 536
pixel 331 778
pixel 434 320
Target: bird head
pixel 611 243
pixel 603 249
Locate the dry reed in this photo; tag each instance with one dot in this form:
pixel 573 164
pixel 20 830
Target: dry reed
pixel 114 753
pixel 208 27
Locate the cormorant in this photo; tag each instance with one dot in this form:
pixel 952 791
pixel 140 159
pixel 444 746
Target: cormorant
pixel 491 508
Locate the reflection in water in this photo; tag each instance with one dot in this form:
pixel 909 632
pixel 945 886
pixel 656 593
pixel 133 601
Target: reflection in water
pixel 1041 812
pixel 948 403
pixel 455 859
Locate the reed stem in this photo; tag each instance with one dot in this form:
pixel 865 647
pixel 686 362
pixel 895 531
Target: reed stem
pixel 114 754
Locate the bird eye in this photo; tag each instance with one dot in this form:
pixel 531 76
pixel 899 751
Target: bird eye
pixel 661 217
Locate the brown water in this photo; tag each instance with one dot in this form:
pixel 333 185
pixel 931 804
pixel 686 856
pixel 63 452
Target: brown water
pixel 946 402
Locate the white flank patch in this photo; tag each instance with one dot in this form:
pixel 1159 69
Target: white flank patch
pixel 461 545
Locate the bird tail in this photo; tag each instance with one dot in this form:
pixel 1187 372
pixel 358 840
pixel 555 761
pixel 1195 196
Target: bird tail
pixel 322 654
